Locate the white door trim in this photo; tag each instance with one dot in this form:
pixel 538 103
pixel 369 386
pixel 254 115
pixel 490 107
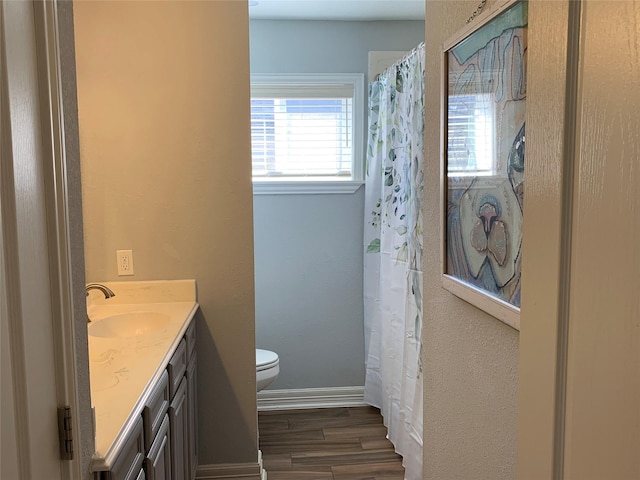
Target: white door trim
pixel 59 235
pixel 31 399
pixel 40 350
pixel 15 459
pixel 552 90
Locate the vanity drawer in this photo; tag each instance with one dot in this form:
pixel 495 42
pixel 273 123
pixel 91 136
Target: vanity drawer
pixel 129 462
pixel 154 410
pixel 158 461
pixel 190 337
pixel 177 367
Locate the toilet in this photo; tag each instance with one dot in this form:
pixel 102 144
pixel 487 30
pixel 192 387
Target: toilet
pixel 267 368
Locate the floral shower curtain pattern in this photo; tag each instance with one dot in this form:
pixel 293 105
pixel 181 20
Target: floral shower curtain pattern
pixel 393 254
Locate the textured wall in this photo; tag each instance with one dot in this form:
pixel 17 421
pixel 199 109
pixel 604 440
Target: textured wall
pixel 470 359
pixel 308 248
pixel 163 94
pixel 84 431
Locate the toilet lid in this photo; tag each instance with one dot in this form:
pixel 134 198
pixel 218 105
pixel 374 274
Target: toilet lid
pixel 265 359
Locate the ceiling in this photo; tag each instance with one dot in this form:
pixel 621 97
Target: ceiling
pixel 337 9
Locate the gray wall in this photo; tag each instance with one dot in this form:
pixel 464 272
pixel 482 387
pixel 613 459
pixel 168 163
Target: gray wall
pixel 308 248
pixel 470 358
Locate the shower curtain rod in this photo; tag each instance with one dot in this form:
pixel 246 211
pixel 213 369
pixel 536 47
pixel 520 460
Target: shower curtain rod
pixel 404 58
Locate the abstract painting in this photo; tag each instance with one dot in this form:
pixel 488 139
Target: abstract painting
pixel 484 158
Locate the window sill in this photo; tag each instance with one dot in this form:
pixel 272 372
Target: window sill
pixel 306 187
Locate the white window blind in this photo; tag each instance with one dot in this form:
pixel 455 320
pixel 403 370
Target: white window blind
pixel 303 130
pixel 471 134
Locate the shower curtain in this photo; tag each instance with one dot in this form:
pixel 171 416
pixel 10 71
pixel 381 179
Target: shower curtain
pixel 393 254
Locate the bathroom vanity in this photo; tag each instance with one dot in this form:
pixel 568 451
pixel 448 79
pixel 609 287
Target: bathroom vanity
pixel 142 357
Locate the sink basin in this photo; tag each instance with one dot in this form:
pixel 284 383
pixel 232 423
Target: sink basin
pixel 129 324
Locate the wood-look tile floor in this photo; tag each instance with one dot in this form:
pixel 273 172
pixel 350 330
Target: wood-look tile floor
pixel 327 444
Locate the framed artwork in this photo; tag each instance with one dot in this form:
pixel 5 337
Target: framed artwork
pixel 483 146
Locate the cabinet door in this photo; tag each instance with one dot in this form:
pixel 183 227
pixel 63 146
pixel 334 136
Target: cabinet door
pixel 190 337
pixel 158 461
pixel 176 367
pixel 192 420
pixel 178 425
pixel 128 464
pixel 155 409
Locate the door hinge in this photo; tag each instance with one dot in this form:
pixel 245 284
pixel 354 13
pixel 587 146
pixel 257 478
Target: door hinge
pixel 65 432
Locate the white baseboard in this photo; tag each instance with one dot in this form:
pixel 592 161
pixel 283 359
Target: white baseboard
pixel 310 398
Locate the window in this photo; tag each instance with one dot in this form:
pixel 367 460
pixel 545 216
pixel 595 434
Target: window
pixel 306 132
pixel 471 134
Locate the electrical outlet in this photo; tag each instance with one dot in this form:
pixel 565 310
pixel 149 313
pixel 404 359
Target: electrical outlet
pixel 125 262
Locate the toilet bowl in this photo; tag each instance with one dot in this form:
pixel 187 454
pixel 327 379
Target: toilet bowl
pixel 267 368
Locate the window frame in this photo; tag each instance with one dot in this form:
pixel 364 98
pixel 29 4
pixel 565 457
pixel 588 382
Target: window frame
pixel 302 185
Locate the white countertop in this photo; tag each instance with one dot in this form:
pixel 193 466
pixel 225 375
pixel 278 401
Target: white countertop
pixel 123 370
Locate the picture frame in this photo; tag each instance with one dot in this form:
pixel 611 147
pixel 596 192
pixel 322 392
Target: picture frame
pixel 483 153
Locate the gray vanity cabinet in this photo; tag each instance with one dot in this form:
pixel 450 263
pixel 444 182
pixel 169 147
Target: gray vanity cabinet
pixel 177 367
pixel 182 413
pixel 128 465
pixel 155 409
pixel 162 444
pixel 178 425
pixel 192 420
pixel 157 464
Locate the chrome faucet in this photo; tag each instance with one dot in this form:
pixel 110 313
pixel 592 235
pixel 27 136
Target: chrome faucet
pixel 106 291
